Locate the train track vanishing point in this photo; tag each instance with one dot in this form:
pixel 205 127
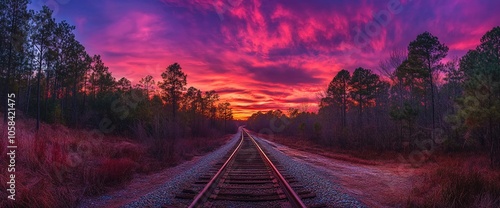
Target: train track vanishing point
pixel 247 177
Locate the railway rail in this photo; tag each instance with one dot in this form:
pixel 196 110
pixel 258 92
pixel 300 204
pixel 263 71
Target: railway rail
pixel 246 177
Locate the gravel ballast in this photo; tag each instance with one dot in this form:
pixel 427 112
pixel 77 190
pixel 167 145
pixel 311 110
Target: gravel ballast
pixel 327 193
pixel 165 195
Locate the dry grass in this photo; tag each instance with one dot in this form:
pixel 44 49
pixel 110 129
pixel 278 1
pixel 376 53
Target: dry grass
pixel 366 157
pixel 454 180
pixel 57 166
pixel 198 146
pixel 460 180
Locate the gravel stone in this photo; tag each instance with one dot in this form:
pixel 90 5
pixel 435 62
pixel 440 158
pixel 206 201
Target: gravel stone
pixel 165 195
pixel 327 193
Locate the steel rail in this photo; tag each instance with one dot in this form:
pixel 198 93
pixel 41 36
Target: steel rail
pixel 204 194
pixel 293 197
pixel 202 197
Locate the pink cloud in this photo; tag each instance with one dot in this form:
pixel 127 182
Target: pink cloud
pixel 269 54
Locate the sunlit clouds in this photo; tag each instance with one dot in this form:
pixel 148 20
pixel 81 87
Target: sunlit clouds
pixel 262 55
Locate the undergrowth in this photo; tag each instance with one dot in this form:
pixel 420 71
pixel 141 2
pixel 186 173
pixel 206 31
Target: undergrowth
pixel 459 182
pixel 58 166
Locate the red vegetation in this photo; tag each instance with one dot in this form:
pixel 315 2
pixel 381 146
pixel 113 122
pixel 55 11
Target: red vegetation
pixel 58 166
pixel 116 171
pixel 459 180
pixel 444 180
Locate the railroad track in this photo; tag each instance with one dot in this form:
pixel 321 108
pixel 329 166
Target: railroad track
pixel 246 177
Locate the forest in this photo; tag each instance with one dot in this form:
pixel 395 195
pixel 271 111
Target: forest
pixel 415 103
pixel 57 81
pixel 83 132
pixel 80 129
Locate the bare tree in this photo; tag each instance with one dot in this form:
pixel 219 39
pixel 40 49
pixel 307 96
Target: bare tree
pixel 388 66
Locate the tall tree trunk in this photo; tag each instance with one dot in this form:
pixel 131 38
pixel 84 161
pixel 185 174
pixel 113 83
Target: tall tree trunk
pixel 28 97
pixel 174 123
pixel 39 75
pixel 225 119
pixel 401 105
pixel 492 143
pixel 360 116
pixel 7 83
pixel 46 94
pixel 344 104
pixel 38 94
pixel 93 85
pixel 54 87
pixel 74 105
pixel 432 96
pixel 84 93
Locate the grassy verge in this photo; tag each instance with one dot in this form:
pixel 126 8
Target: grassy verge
pixel 57 166
pixel 366 156
pixel 450 180
pixel 460 180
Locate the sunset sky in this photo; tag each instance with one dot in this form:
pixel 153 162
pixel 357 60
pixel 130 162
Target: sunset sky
pixel 265 54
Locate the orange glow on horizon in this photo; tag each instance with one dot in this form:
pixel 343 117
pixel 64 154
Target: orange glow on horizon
pixel 264 55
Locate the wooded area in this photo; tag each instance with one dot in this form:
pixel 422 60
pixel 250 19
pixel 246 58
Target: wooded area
pixel 80 132
pixel 415 102
pixel 57 81
pixel 414 96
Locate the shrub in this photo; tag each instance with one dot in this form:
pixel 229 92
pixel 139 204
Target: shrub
pixel 127 150
pixel 58 165
pixel 458 185
pixel 116 171
pixel 464 188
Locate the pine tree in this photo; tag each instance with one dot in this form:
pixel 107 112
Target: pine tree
pixel 364 86
pixel 14 26
pixel 44 29
pixel 225 113
pixel 174 82
pixel 337 93
pixel 426 52
pixel 479 105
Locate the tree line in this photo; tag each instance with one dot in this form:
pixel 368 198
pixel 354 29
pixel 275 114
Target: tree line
pixel 57 81
pixel 415 101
